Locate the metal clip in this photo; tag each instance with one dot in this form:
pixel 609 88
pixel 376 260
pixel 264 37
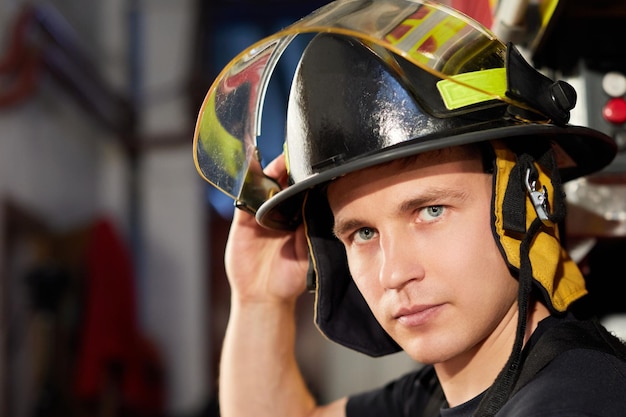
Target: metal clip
pixel 538 198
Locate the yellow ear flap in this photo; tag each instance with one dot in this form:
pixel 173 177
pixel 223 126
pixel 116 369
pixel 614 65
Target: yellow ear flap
pixel 558 276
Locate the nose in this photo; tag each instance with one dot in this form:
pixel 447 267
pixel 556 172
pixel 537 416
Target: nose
pixel 400 260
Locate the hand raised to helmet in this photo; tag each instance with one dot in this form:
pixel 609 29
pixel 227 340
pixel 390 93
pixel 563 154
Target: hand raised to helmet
pixel 265 265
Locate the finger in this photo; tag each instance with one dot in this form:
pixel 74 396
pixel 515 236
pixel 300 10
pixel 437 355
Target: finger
pixel 243 217
pixel 277 168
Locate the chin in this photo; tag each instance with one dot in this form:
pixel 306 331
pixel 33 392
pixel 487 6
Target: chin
pixel 426 352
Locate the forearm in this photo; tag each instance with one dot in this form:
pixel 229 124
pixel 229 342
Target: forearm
pixel 259 375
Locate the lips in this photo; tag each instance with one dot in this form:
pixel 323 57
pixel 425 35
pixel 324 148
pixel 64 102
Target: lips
pixel 417 315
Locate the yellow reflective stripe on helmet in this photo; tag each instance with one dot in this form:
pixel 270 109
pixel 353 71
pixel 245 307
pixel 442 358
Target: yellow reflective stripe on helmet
pixel 471 87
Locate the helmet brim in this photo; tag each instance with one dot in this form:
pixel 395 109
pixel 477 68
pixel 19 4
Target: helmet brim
pixel 580 151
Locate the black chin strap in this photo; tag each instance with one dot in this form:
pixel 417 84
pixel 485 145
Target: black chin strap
pixel 514 210
pixel 504 384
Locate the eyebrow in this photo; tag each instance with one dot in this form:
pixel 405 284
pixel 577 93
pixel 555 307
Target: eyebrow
pixel 432 197
pixel 341 228
pixel 428 198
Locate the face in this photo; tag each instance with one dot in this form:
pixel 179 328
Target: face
pixel 419 244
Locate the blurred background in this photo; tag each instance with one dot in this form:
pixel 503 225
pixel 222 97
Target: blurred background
pixel 113 299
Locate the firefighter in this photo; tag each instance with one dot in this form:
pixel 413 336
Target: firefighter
pixel 419 194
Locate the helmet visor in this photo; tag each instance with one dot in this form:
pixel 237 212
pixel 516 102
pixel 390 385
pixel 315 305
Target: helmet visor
pixel 467 58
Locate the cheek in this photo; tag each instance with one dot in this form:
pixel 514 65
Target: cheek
pixel 483 271
pixel 468 254
pixel 477 245
pixel 364 272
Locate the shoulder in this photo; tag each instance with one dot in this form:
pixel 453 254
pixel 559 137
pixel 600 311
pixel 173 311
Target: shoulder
pixel 578 369
pixel 577 382
pixel 598 373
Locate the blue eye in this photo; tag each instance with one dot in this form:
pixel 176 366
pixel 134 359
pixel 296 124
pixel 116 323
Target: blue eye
pixel 432 212
pixel 364 234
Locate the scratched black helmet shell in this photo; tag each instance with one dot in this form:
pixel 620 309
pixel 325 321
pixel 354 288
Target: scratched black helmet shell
pixel 352 106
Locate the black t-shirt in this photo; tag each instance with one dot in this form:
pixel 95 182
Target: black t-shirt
pixel 580 381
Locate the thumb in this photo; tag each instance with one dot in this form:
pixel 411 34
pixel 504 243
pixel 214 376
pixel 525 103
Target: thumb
pixel 277 169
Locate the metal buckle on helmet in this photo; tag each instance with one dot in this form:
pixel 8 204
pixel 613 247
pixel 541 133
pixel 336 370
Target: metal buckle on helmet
pixel 539 198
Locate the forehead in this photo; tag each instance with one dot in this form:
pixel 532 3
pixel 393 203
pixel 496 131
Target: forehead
pixel 431 159
pixel 460 159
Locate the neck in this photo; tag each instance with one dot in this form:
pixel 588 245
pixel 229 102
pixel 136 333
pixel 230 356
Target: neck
pixel 468 375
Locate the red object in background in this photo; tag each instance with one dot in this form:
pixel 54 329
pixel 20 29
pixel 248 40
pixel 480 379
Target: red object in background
pixel 112 352
pixel 614 111
pixel 479 10
pixel 20 67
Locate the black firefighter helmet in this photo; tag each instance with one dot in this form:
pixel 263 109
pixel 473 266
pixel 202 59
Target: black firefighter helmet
pixel 384 80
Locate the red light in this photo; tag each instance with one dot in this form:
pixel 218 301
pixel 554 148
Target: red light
pixel 614 111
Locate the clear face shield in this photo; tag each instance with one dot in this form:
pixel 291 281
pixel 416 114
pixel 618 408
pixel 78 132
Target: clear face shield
pixel 467 59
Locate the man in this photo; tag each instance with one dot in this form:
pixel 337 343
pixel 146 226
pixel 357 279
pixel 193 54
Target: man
pixel 420 195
